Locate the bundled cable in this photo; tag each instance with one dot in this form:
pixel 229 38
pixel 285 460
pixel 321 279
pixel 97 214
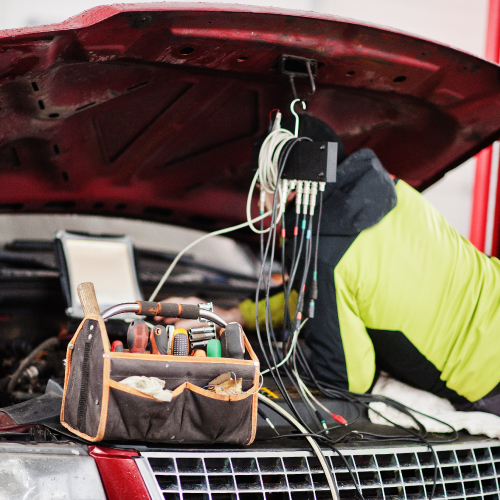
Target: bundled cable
pixel 284 356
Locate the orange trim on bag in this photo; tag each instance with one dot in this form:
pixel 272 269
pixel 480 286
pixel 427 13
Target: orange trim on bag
pixel 106 370
pixel 67 373
pixel 170 357
pixel 124 388
pixel 203 392
pixel 69 352
pixel 255 386
pixel 80 434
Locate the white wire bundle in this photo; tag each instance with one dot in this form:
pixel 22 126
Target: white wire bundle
pixel 267 171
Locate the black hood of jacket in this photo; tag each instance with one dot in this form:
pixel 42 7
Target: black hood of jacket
pixel 363 194
pixel 364 191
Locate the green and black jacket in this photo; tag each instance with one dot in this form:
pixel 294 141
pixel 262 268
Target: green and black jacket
pixel 400 290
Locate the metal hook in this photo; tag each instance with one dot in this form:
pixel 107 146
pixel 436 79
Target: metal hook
pixel 292 109
pixel 292 66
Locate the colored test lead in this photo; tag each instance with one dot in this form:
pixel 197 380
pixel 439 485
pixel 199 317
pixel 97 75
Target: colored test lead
pixel 263 415
pixel 339 418
pixel 321 420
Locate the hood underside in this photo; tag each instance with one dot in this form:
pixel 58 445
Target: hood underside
pixel 151 111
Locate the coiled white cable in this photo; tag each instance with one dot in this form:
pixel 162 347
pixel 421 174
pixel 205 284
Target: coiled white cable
pixel 267 171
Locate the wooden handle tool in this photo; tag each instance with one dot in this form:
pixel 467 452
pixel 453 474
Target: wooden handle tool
pixel 86 292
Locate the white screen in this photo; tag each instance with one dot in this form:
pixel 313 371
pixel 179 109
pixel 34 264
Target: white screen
pixel 107 265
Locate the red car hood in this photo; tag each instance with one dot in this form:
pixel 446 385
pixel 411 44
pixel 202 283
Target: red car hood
pixel 151 110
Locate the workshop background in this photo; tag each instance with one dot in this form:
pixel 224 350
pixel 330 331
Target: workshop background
pixel 458 23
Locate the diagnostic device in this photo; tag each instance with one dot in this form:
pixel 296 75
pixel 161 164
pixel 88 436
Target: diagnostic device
pixel 106 261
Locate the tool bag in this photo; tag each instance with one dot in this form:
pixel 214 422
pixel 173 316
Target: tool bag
pixel 96 406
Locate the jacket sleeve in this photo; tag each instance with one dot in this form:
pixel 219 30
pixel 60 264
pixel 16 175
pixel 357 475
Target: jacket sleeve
pixel 342 352
pixel 277 305
pixel 358 348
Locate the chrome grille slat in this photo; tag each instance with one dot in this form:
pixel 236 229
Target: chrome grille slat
pixel 397 473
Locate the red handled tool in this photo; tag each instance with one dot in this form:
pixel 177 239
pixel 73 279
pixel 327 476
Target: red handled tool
pixel 137 336
pixel 117 346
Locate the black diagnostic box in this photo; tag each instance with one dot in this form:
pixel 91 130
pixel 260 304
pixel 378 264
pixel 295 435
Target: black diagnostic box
pixel 312 161
pixel 308 161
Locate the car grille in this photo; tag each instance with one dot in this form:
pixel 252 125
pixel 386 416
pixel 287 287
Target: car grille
pixel 464 471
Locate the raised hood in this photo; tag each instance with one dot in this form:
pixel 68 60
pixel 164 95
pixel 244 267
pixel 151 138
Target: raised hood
pixel 152 110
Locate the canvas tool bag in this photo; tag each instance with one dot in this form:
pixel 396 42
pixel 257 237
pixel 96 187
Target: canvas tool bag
pixel 97 406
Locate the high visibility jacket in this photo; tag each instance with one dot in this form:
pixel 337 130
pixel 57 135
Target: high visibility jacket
pixel 401 290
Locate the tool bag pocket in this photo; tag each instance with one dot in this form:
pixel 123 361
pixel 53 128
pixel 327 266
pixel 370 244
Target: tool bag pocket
pixel 97 406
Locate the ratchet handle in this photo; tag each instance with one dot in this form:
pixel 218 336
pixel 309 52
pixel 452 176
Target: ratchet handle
pixel 168 309
pixel 232 341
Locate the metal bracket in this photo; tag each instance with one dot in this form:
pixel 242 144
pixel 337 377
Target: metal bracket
pixel 299 67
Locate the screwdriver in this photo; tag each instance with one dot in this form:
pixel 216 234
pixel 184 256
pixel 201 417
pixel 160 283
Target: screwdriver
pixel 180 342
pixel 137 336
pixel 117 346
pixel 159 340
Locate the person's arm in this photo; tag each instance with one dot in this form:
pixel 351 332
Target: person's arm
pixel 244 313
pixel 277 306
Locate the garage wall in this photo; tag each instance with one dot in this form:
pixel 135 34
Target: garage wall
pixel 460 23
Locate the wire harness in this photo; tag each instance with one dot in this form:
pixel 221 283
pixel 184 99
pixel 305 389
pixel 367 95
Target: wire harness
pixel 283 353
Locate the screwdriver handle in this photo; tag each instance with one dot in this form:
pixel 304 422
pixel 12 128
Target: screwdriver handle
pixel 137 336
pixel 88 299
pixel 117 346
pixel 180 342
pixel 159 340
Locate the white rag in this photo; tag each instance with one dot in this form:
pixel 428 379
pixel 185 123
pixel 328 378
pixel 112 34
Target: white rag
pixel 152 386
pixel 475 422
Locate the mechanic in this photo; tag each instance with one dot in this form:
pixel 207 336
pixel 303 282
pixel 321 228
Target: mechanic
pixel 399 290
